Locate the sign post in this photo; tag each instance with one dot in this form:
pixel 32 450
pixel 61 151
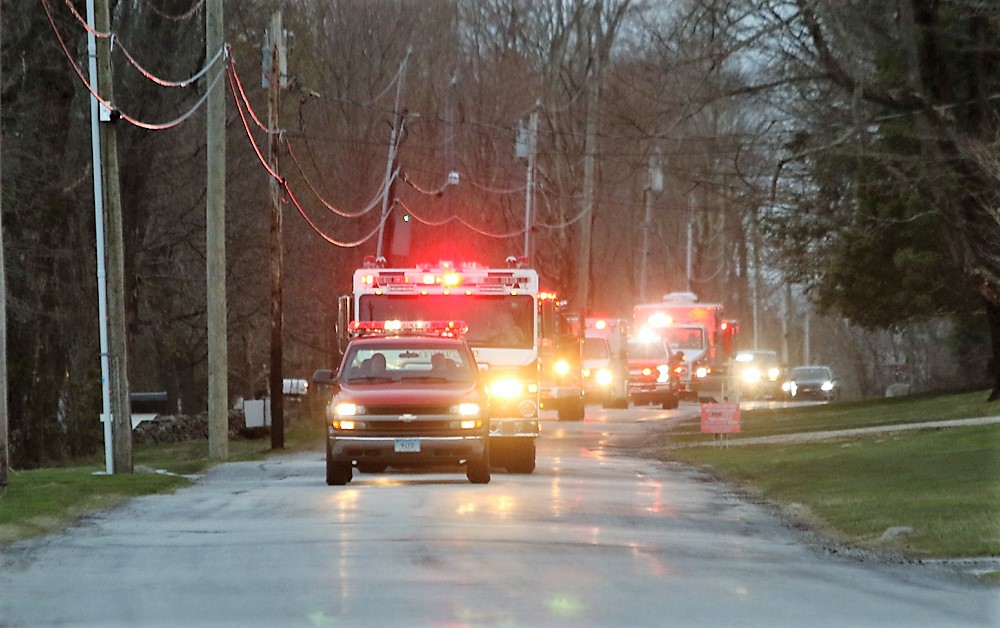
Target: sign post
pixel 720 418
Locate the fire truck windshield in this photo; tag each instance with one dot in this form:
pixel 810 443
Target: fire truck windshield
pixel 684 338
pixel 504 320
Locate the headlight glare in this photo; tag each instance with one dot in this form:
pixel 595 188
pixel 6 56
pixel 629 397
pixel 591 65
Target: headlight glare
pixel 507 388
pixel 466 409
pixel 347 409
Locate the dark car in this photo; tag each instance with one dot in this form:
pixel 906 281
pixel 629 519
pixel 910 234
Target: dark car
pixel 407 400
pixel 811 382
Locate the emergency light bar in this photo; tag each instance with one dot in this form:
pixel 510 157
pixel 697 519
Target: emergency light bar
pixel 446 329
pixel 418 279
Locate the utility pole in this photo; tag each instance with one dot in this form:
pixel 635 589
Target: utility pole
pixel 121 410
pixel 589 159
pixel 215 242
pixel 531 147
pixel 4 447
pixel 390 164
pixel 102 273
pixel 689 258
pixel 654 184
pixel 276 76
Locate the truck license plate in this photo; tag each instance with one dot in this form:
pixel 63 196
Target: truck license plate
pixel 407 445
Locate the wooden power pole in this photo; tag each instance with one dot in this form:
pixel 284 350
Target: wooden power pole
pixel 215 242
pixel 4 431
pixel 275 78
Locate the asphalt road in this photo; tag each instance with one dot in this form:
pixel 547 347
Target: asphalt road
pixel 592 538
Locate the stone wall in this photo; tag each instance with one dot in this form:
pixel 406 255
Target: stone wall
pixel 178 428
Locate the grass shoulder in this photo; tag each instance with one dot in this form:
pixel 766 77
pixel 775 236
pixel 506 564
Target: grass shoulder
pixel 41 501
pixel 925 493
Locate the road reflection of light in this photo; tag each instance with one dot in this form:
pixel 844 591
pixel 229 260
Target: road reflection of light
pixel 554 498
pixel 655 566
pixel 591 453
pixel 502 506
pixel 465 509
pixel 565 606
pixel 345 503
pixel 344 571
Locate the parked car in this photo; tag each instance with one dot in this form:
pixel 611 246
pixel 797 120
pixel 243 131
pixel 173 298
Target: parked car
pixel 811 382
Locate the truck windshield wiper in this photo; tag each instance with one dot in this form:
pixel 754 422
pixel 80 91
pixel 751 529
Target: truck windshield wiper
pixel 369 378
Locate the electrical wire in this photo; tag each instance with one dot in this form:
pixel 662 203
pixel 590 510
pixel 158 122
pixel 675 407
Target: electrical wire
pixel 338 243
pixel 231 72
pixel 462 221
pixel 183 17
pixel 246 101
pixel 109 106
pixel 346 214
pixel 131 58
pixel 438 192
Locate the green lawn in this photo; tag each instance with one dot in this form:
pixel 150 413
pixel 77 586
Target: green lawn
pixel 40 501
pixel 838 416
pixel 944 483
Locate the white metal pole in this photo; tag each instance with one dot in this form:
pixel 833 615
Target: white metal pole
pixel 102 293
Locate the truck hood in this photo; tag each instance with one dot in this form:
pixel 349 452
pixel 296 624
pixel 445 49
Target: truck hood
pixel 406 395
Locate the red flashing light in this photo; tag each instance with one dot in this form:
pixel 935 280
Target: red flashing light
pixel 447 329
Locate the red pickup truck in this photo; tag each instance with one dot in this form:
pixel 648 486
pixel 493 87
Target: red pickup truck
pixel 405 398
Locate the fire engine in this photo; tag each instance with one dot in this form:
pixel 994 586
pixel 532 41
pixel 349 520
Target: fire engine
pixel 501 308
pixel 699 331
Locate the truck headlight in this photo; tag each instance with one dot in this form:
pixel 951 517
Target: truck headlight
pixel 346 408
pixel 751 375
pixel 507 388
pixel 562 368
pixel 603 377
pixel 465 409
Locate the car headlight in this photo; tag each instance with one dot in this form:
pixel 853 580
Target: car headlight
pixel 786 386
pixel 507 388
pixel 772 373
pixel 345 408
pixel 827 386
pixel 465 409
pixel 702 371
pixel 603 377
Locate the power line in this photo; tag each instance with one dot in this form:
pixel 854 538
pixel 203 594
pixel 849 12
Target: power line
pixel 131 58
pixel 114 111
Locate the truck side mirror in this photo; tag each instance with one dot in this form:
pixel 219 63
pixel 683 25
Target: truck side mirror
pixel 324 377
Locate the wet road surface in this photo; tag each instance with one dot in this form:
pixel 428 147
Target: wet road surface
pixel 591 538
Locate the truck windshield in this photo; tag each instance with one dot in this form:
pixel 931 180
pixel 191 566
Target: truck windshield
pixel 647 350
pixel 684 337
pixel 596 349
pixel 506 321
pixel 400 361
